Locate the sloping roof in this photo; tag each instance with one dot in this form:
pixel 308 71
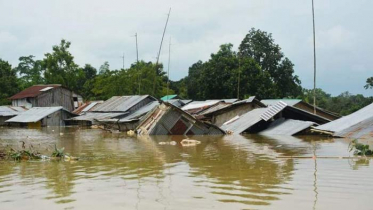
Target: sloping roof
pixel 120 103
pixel 349 120
pixel 290 102
pixel 287 127
pixel 87 107
pixel 363 129
pixel 273 110
pixel 10 110
pixel 142 111
pixel 178 102
pixel 33 91
pixel 231 100
pixel 214 108
pixel 168 97
pixel 244 121
pixel 91 116
pixel 200 104
pixel 34 114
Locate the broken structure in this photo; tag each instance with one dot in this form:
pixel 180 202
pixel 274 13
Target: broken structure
pixel 166 119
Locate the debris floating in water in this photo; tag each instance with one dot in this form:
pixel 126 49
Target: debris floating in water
pixel 189 142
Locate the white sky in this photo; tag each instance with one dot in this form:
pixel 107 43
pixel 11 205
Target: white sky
pixel 102 30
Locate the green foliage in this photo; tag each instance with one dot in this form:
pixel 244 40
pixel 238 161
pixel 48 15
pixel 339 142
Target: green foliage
pixel 30 71
pixel 359 149
pixel 8 82
pixel 59 153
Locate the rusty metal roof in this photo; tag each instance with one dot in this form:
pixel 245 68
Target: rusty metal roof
pixel 120 103
pixel 33 91
pixel 35 114
pixel 11 110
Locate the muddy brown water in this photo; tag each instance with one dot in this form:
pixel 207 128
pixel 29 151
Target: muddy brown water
pixel 223 172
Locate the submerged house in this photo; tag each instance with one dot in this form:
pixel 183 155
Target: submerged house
pixel 200 108
pixel 113 109
pixel 47 96
pixel 41 117
pixel 7 112
pixel 297 103
pixel 278 119
pixel 356 125
pixel 166 119
pixel 222 114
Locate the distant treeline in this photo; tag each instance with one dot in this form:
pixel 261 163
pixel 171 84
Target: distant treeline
pixel 259 68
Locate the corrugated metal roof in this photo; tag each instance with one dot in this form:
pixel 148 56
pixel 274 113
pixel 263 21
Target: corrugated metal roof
pixel 249 100
pixel 32 91
pixel 348 121
pixel 176 102
pixel 273 110
pixel 245 121
pixel 290 102
pixel 90 116
pixel 34 114
pixel 362 129
pixel 142 111
pixel 10 111
pixel 231 100
pixel 120 103
pixel 214 108
pixel 200 104
pixel 168 97
pixel 286 127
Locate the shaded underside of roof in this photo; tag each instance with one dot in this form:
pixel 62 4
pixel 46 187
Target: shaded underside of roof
pixel 8 111
pixel 139 113
pixel 33 91
pixel 178 102
pixel 286 127
pixel 349 120
pixel 120 103
pixel 34 114
pixel 245 121
pixel 91 116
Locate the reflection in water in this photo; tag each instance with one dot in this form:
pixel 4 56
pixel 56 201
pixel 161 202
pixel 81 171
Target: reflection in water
pixel 119 172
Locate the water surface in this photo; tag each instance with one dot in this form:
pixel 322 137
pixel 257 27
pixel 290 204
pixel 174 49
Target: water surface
pixel 223 172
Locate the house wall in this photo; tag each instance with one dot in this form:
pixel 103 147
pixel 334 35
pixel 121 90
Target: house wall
pixel 55 97
pixel 3 119
pixel 220 118
pixel 318 112
pixel 56 119
pixel 22 102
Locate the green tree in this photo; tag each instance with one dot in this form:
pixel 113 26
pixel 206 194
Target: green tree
pixel 30 71
pixel 260 46
pixel 8 82
pixel 60 67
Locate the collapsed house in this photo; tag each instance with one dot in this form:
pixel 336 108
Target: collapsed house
pixel 7 112
pixel 47 96
pixel 113 109
pixel 273 120
pixel 218 115
pixel 297 103
pixel 41 117
pixel 86 107
pixel 200 108
pixel 167 119
pixel 356 125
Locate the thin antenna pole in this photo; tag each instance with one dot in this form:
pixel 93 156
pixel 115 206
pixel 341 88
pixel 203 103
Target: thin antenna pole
pixel 137 65
pixel 123 59
pixel 168 70
pixel 239 74
pixel 314 60
pixel 160 48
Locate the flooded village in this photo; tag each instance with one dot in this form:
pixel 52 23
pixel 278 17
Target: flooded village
pixel 186 105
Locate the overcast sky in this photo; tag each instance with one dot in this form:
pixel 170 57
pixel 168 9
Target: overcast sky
pixel 103 30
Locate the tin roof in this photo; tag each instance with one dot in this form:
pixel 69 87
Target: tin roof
pixel 214 108
pixel 351 122
pixel 33 91
pixel 168 97
pixel 287 127
pixel 200 104
pixel 86 107
pixel 245 121
pixel 363 129
pixel 120 103
pixel 91 116
pixel 34 114
pixel 273 110
pixel 290 102
pixel 139 113
pixel 178 102
pixel 11 110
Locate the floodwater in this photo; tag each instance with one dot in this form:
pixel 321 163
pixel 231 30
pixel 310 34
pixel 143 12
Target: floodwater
pixel 225 172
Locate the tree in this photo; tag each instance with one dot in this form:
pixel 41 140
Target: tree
pixel 369 83
pixel 30 71
pixel 60 67
pixel 8 82
pixel 261 47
